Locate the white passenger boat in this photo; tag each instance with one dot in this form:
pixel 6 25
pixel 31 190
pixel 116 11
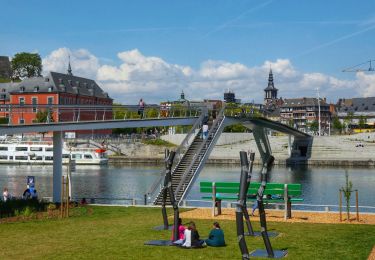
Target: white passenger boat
pixel 42 153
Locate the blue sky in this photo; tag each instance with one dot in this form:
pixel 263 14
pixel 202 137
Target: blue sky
pixel 316 38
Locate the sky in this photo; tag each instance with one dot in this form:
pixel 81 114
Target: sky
pixel 156 49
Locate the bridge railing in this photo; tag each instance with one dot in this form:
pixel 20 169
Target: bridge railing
pixel 204 144
pixel 14 114
pixel 156 187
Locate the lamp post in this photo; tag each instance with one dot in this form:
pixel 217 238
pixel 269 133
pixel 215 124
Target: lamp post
pixel 317 90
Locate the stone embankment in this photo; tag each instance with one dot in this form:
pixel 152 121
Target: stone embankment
pixel 338 150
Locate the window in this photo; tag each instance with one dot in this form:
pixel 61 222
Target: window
pixel 49 100
pixel 22 89
pixel 22 121
pixel 2 148
pixel 3 157
pixel 10 157
pixel 48 158
pixel 34 101
pixel 49 149
pixel 36 149
pixel 76 156
pixel 88 156
pixel 38 158
pixel 21 148
pixel 65 156
pixel 21 101
pixel 50 89
pixel 21 158
pixel 36 89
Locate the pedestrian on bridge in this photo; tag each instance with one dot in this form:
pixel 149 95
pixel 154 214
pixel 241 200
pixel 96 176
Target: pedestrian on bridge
pixel 141 108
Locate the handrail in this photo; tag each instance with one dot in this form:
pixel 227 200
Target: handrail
pixel 220 118
pixel 177 159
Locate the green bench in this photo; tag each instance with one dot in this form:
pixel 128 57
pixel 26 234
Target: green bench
pixel 286 193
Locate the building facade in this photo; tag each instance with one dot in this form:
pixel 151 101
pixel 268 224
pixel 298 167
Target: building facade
pixel 351 111
pixel 303 114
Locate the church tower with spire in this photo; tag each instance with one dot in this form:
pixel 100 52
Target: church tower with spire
pixel 70 69
pixel 270 92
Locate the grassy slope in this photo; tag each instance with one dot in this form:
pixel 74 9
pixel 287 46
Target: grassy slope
pixel 116 232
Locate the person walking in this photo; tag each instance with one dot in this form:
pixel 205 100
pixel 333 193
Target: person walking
pixel 141 108
pixel 205 130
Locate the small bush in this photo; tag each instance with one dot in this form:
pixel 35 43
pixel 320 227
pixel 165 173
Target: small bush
pixel 21 207
pixel 159 142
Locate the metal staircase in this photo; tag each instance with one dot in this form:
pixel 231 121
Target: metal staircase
pixel 189 167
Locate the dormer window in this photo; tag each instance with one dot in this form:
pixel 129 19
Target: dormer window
pixel 3 90
pixel 50 89
pixel 22 89
pixel 60 81
pixel 36 89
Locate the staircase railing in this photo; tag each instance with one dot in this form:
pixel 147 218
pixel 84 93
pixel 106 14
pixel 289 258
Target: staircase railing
pixel 204 144
pixel 156 187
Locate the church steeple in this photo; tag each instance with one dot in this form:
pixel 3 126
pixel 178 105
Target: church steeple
pixel 270 90
pixel 70 68
pixel 182 95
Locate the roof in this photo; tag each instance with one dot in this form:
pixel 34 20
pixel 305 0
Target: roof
pixel 358 105
pixel 60 83
pixel 298 102
pixel 270 86
pixel 4 90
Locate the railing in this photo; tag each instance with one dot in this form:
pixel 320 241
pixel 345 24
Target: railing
pixel 49 113
pixel 217 122
pixel 156 187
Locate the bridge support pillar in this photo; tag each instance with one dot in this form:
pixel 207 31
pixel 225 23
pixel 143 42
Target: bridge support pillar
pixel 57 166
pixel 289 145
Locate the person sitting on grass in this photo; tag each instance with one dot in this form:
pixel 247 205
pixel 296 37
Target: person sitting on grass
pixel 195 241
pixel 181 233
pixel 216 236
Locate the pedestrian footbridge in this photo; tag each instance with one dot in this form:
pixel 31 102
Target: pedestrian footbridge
pixel 191 155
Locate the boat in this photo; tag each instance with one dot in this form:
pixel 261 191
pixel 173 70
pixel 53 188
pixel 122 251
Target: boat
pixel 41 152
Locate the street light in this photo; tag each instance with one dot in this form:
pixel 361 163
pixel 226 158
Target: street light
pixel 317 90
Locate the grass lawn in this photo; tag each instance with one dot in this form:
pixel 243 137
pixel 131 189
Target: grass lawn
pixel 119 233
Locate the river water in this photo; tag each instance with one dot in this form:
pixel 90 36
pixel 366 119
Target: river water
pixel 320 185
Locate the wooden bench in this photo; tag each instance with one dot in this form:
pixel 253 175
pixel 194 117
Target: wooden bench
pixel 284 193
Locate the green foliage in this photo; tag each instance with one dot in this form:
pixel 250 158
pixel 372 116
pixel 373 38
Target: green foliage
pixel 314 126
pixel 20 207
pixel 26 65
pixel 238 128
pixel 159 142
pixel 337 125
pixel 4 120
pixel 42 116
pixel 362 122
pixel 347 190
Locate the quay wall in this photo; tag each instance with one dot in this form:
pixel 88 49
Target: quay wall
pixel 346 150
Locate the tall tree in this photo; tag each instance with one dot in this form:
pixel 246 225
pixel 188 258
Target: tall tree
pixel 337 125
pixel 27 65
pixel 362 122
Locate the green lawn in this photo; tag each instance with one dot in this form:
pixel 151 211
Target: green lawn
pixel 119 233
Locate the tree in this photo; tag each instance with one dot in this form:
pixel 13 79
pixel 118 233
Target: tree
pixel 362 122
pixel 44 116
pixel 348 120
pixel 27 65
pixel 314 126
pixel 347 190
pixel 337 125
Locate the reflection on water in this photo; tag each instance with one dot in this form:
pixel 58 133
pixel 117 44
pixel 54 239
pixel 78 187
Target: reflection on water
pixel 319 185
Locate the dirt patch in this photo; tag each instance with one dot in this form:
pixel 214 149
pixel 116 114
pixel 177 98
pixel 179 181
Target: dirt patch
pixel 372 254
pixel 278 216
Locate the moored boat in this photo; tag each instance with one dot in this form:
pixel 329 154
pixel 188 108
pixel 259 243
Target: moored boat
pixel 42 153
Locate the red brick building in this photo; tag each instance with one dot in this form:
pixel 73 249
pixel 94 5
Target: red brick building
pixel 64 97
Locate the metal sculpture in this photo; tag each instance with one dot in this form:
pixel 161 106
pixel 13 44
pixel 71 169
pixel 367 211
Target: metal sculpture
pixel 241 209
pixel 168 189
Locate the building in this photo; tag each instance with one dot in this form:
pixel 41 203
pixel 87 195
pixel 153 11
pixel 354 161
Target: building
pixel 272 103
pixel 303 113
pixel 351 111
pixel 5 68
pixel 270 92
pixel 78 98
pixel 230 97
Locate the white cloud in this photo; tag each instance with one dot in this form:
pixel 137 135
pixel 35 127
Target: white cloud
pixel 156 80
pixel 83 63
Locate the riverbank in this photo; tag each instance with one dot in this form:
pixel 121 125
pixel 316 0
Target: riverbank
pixel 118 160
pixel 355 150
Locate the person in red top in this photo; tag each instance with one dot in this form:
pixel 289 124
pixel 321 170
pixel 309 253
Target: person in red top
pixel 181 236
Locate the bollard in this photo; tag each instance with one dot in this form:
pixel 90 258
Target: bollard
pixel 145 198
